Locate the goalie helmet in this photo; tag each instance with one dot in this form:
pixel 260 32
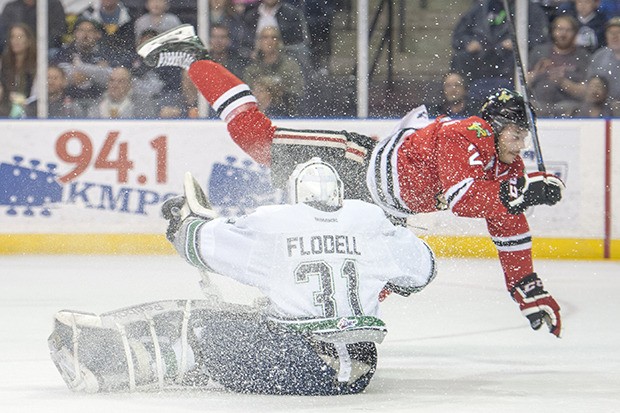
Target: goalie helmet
pixel 503 108
pixel 316 183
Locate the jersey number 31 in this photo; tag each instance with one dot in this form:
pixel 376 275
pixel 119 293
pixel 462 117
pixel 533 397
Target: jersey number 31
pixel 324 298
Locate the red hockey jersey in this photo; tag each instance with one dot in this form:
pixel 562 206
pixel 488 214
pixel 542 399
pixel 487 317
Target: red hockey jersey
pixel 454 164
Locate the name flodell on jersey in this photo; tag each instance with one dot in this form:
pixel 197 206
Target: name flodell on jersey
pixel 322 244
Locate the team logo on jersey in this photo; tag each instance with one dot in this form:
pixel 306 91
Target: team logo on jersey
pixel 480 131
pixel 504 96
pixel 345 323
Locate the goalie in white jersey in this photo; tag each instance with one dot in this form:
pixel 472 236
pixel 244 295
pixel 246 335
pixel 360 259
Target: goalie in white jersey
pixel 322 262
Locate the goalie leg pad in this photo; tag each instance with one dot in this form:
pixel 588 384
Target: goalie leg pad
pixel 143 347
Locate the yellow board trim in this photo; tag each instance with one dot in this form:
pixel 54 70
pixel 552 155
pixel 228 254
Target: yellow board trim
pixel 104 244
pixel 151 244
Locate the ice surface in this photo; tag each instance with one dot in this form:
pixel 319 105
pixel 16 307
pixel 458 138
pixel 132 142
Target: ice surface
pixel 461 345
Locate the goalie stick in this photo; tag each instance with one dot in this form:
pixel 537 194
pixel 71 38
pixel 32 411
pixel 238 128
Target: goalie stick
pixel 524 89
pixel 198 203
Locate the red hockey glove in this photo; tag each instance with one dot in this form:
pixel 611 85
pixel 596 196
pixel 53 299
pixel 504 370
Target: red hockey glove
pixel 536 188
pixel 537 304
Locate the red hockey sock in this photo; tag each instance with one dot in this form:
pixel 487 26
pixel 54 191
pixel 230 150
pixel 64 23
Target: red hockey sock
pixel 224 91
pixel 516 265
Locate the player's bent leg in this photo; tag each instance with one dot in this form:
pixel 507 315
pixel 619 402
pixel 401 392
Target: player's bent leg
pixel 236 346
pixel 224 91
pixel 234 103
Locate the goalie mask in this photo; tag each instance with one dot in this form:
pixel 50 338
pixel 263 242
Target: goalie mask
pixel 504 108
pixel 316 183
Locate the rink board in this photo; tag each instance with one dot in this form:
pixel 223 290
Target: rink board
pixel 96 186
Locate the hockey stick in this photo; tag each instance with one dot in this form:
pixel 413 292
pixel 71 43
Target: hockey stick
pixel 524 90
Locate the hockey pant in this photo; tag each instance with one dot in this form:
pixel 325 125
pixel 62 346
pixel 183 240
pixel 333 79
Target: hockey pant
pixel 183 343
pixel 280 148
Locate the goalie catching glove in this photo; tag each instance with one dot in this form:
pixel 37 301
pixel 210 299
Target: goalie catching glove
pixel 538 188
pixel 194 203
pixel 537 304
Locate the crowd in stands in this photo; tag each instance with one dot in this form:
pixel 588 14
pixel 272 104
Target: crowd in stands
pixel 573 64
pixel 282 49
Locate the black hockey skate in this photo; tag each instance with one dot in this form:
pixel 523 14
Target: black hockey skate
pixel 178 47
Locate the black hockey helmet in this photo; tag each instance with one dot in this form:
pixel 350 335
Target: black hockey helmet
pixel 503 108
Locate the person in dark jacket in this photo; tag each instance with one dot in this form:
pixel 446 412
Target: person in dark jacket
pixel 482 45
pixel 25 11
pixel 118 27
pixel 591 33
pixel 290 21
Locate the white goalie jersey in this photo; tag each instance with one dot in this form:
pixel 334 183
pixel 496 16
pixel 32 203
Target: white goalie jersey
pixel 312 264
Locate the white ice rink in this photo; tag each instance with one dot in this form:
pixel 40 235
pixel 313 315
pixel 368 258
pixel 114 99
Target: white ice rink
pixel 461 345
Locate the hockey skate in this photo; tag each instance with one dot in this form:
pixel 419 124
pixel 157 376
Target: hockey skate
pixel 178 47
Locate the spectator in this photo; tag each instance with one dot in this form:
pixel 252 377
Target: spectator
pixel 157 18
pixel 595 101
pixel 455 102
pixel 19 64
pixel 269 97
pixel 606 61
pixel 591 33
pixel 86 62
pixel 118 101
pixel 291 23
pixel 319 15
pixel 221 51
pixel 229 13
pixel 482 46
pixel 25 11
pixel 118 28
pixel 552 62
pixel 272 62
pixel 9 109
pixel 59 104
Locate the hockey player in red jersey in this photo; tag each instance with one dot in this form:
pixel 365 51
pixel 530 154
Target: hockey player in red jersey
pixel 471 167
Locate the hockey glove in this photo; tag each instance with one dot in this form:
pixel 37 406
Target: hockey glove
pixel 538 188
pixel 194 204
pixel 173 211
pixel 537 304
